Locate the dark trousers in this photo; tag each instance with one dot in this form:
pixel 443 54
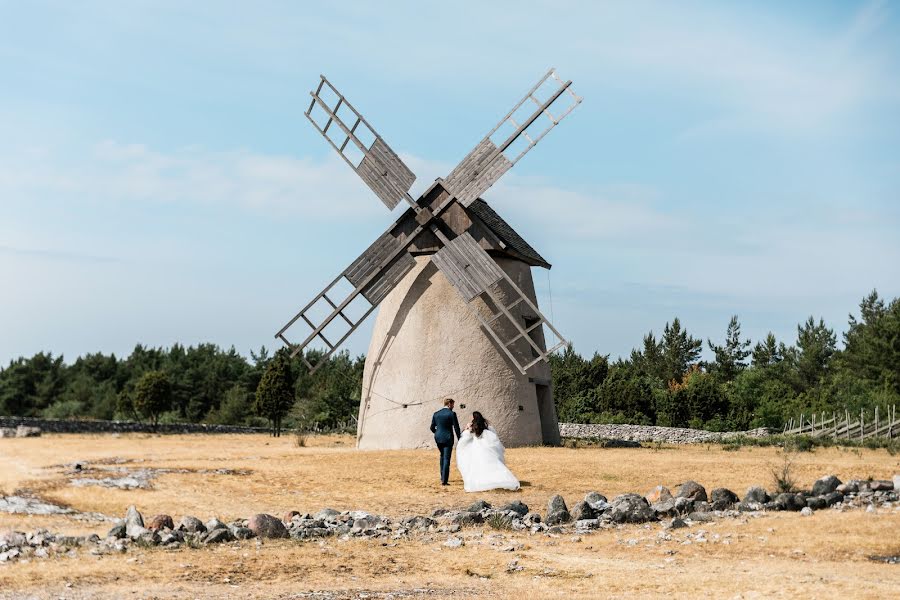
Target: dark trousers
pixel 446 451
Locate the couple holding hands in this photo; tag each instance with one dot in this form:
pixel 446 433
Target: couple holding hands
pixel 479 452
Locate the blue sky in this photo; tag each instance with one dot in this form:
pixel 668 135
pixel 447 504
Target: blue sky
pixel 159 183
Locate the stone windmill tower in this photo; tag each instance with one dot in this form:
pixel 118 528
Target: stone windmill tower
pixel 459 316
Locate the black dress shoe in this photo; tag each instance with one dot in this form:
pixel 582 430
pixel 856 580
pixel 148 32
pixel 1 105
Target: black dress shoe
pixel 444 483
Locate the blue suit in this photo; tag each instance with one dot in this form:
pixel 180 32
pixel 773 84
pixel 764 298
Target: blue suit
pixel 444 424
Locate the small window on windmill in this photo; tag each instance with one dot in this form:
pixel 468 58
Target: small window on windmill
pixel 462 406
pixel 529 322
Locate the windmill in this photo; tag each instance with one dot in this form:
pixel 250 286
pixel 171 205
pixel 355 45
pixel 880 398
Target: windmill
pixel 459 316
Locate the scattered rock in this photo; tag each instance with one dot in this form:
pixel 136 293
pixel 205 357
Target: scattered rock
pixel 658 494
pixel 214 524
pixel 833 498
pixel 118 531
pixel 557 511
pixel 466 518
pixel 160 522
pixel 630 508
pixel 325 514
pixel 816 502
pixel 582 511
pixel 134 522
pixel 218 535
pixel 191 525
pixel 516 506
pixel 242 533
pixel 677 523
pixel 453 542
pixel 825 485
pixel 479 505
pixel 418 522
pixel 851 487
pixel 882 485
pixel 806 511
pixel 683 505
pixel 666 508
pixel 289 515
pixel 267 526
pixel 597 501
pixel 757 494
pixel 692 491
pixel 789 501
pixel 723 499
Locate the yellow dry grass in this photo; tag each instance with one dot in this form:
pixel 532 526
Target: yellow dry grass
pixel 779 555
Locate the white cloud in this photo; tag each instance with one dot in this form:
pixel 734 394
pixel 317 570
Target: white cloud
pixel 133 173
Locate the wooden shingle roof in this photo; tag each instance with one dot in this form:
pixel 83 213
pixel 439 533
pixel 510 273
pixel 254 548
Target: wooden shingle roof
pixel 515 244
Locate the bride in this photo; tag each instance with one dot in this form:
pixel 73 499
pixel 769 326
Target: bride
pixel 480 458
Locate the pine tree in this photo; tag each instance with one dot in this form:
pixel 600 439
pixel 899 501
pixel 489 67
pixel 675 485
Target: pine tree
pixel 275 393
pixel 816 346
pixel 730 357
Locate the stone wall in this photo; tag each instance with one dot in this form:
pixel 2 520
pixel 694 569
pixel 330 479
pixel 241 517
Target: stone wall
pixel 65 426
pixel 647 433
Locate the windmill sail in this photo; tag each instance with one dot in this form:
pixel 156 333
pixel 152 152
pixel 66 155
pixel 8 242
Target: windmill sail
pixel 517 133
pixel 359 144
pixel 472 271
pixel 371 277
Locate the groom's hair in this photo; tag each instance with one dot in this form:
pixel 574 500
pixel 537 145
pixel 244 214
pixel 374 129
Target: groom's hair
pixel 448 401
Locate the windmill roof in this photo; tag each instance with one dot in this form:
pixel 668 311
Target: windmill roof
pixel 514 242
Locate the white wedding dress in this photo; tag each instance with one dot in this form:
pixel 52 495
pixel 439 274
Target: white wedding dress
pixel 481 462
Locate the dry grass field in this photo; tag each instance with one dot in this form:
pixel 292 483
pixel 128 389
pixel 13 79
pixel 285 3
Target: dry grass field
pixel 777 555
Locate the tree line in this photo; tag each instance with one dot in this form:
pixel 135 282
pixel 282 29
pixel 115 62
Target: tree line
pixel 745 385
pixel 663 381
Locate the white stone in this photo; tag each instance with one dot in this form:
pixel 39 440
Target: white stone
pixel 806 511
pixel 427 346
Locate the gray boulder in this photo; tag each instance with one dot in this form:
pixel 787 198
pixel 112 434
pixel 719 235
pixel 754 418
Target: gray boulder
pixel 582 511
pixel 692 491
pixel 466 518
pixel 217 536
pixel 418 522
pixel 683 505
pixel 833 498
pixel 825 485
pixel 757 494
pixel 241 533
pixel 722 499
pixel 267 526
pixel 326 514
pixel 851 487
pixel 816 502
pixel 118 531
pixel 881 485
pixel 597 501
pixel 134 522
pixel 557 511
pixel 630 508
pixel 665 508
pixel 516 506
pixel 191 525
pixel 479 505
pixel 789 501
pixel 214 524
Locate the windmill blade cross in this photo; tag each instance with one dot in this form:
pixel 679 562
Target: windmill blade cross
pixel 379 167
pixel 472 271
pixel 490 159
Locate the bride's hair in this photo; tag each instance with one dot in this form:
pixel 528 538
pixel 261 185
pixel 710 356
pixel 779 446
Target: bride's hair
pixel 479 424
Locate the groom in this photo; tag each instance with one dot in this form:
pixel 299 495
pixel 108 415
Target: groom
pixel 443 425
